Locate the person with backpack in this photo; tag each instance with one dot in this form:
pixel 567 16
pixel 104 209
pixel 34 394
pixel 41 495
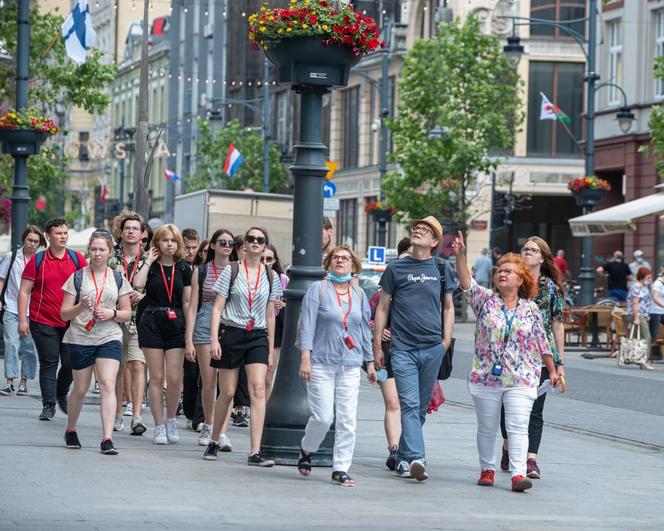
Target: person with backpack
pixel 244 303
pixel 161 325
pixel 11 270
pixel 335 339
pixel 42 278
pixel 96 300
pixel 197 338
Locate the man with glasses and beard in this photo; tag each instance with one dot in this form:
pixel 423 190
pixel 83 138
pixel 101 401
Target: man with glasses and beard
pixel 411 295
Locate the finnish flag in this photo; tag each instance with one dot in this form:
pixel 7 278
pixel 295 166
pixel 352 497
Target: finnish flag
pixel 78 33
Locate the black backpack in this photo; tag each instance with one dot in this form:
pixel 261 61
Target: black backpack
pixel 446 366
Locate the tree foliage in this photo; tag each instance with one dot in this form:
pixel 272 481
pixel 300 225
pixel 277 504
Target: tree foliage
pixel 461 82
pixel 656 124
pixel 54 79
pixel 211 148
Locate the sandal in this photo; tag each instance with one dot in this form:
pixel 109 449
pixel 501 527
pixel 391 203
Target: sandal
pixel 304 463
pixel 343 479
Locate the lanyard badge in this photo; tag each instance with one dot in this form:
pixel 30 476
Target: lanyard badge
pixel 497 369
pixel 347 339
pixel 250 294
pixel 98 293
pixel 170 312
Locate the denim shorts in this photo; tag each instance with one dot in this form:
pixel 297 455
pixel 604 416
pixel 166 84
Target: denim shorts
pixel 84 356
pixel 201 334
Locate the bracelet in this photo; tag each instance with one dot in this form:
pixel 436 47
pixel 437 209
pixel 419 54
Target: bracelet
pixel 115 314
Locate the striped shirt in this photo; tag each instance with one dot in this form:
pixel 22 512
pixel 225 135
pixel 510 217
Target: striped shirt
pixel 209 282
pixel 236 310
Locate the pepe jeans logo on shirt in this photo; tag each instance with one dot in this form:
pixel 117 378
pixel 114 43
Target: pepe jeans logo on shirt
pixel 421 278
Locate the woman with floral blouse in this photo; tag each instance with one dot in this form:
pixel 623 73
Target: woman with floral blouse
pixel 510 347
pixel 639 303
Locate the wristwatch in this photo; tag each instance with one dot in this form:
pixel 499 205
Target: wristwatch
pixel 115 314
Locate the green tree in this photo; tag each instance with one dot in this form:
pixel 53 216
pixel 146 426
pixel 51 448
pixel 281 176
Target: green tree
pixel 656 125
pixel 460 83
pixel 54 79
pixel 211 148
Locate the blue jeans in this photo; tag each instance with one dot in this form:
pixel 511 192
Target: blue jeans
pixel 15 344
pixel 619 295
pixel 415 372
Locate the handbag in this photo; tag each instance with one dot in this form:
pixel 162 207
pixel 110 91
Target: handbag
pixel 446 366
pixel 633 349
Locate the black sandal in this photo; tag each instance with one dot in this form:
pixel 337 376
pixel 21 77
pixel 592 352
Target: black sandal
pixel 304 463
pixel 342 478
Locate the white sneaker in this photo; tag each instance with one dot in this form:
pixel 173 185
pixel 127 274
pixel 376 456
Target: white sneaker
pixel 172 431
pixel 118 425
pixel 225 443
pixel 206 434
pixel 160 435
pixel 129 410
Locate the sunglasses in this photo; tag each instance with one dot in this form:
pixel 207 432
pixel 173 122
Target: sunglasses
pixel 101 232
pixel 267 259
pixel 225 243
pixel 258 239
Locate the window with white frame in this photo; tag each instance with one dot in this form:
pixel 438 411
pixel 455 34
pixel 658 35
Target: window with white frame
pixel 659 49
pixel 615 59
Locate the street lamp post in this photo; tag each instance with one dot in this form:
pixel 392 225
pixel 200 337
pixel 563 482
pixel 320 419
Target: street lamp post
pixel 514 49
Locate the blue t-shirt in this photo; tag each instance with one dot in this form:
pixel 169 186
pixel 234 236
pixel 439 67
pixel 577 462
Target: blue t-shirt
pixel 483 266
pixel 415 310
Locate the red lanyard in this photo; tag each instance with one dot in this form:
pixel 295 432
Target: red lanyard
pixel 98 292
pixel 169 292
pixel 133 270
pixel 214 271
pixel 249 293
pixel 341 308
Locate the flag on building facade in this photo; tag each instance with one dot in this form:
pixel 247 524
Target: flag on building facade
pixel 550 111
pixel 104 193
pixel 171 175
pixel 78 33
pixel 234 160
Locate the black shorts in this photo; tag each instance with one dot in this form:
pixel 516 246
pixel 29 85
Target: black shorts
pixel 84 356
pixel 239 347
pixel 279 328
pixel 157 331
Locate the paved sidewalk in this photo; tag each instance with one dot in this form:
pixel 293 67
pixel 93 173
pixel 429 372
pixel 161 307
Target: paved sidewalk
pixel 588 482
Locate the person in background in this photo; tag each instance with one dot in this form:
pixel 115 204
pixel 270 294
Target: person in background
pixel 94 305
pixel 39 288
pixel 146 237
pixel 561 263
pixel 201 254
pixel 639 304
pixel 327 242
pixel 482 268
pixel 657 310
pixel 510 348
pixel 638 262
pixel 191 376
pixel 618 275
pixel 11 271
pixel 191 241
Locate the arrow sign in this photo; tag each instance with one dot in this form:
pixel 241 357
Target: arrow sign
pixel 332 167
pixel 329 189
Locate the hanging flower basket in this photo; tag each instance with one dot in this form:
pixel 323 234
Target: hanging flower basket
pixel 380 211
pixel 588 191
pixel 22 133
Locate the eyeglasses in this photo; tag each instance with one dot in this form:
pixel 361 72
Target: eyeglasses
pixel 251 239
pixel 421 229
pixel 506 271
pixel 131 229
pixel 267 259
pixel 225 243
pixel 340 258
pixel 531 250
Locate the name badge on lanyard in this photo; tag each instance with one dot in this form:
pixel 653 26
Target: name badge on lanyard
pixel 498 366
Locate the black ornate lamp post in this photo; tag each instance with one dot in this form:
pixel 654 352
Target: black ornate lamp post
pixel 312 69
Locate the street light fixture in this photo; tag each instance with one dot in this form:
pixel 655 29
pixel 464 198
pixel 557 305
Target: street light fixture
pixel 625 118
pixel 513 49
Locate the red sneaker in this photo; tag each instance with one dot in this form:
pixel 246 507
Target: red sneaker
pixel 521 483
pixel 486 478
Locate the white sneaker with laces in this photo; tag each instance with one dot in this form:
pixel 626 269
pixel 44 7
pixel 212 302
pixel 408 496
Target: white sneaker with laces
pixel 225 443
pixel 172 431
pixel 160 435
pixel 118 424
pixel 206 434
pixel 129 410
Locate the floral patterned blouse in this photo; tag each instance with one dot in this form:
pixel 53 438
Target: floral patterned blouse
pixel 521 355
pixel 642 293
pixel 549 300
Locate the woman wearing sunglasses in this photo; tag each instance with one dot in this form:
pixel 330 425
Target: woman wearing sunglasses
pixel 246 309
pixel 510 348
pixel 197 339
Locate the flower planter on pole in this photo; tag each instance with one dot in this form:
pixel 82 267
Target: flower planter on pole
pixel 22 142
pixel 588 198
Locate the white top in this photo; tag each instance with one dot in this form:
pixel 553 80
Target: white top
pixel 657 288
pixel 14 282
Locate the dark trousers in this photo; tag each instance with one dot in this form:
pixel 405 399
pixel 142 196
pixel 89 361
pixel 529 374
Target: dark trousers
pixel 241 397
pixel 655 320
pixel 536 419
pixel 52 351
pixel 191 392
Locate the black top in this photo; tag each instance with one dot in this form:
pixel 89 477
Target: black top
pixel 155 291
pixel 617 272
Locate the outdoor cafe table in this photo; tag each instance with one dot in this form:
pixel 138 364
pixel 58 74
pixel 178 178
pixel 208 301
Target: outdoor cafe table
pixel 593 311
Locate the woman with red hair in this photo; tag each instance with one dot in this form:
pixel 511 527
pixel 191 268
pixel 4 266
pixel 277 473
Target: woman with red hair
pixel 510 348
pixel 639 303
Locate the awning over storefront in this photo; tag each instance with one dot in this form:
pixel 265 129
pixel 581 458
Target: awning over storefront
pixel 617 219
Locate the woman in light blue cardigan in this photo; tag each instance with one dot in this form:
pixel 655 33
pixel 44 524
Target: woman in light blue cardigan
pixel 335 339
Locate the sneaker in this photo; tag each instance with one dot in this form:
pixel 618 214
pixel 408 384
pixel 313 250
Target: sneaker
pixel 95 389
pixel 180 410
pixel 118 424
pixel 403 469
pixel 418 470
pixel 172 431
pixel 62 403
pixel 160 435
pixel 486 478
pixel 225 443
pixel 108 448
pixel 240 420
pixel 210 453
pixel 206 434
pixel 198 427
pixel 258 460
pixel 22 390
pixel 532 470
pixel 48 412
pixel 8 391
pixel 233 417
pixel 71 440
pixel 505 461
pixel 391 462
pixel 521 483
pixel 137 426
pixel 129 410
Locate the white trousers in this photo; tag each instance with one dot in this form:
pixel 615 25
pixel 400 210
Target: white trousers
pixel 333 391
pixel 518 402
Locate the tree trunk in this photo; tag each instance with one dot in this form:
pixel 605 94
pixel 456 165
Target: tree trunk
pixel 140 179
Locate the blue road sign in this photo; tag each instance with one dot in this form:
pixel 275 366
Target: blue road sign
pixel 329 189
pixel 377 255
